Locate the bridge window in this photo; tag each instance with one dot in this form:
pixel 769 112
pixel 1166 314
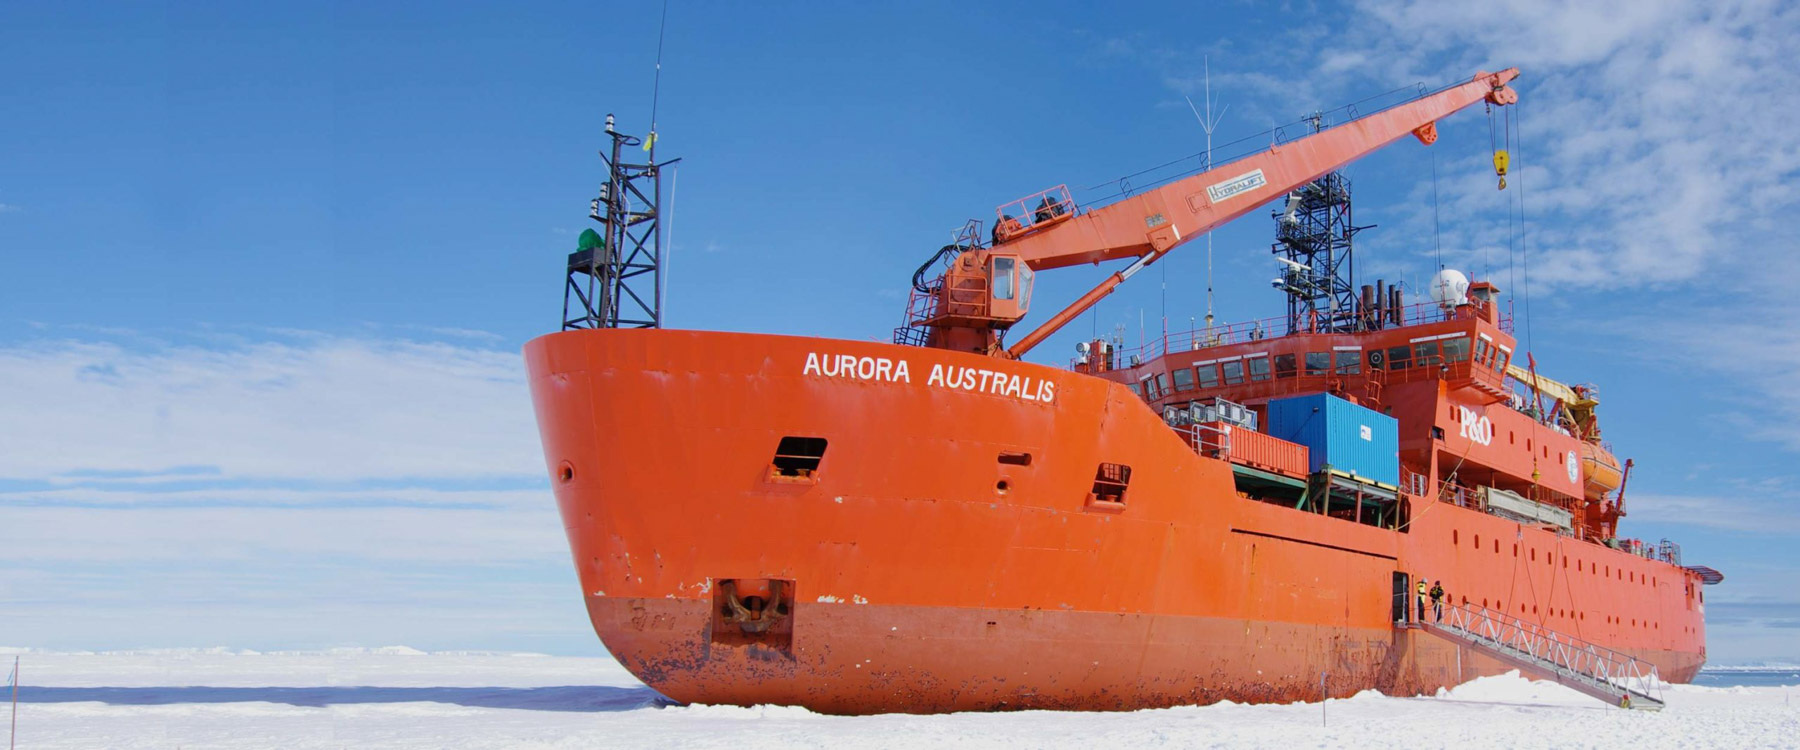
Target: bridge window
pixel 1209 375
pixel 1284 365
pixel 1234 372
pixel 1481 351
pixel 1162 384
pixel 1456 350
pixel 1135 390
pixel 1318 363
pixel 1426 353
pixel 1349 363
pixel 1259 369
pixel 1184 379
pixel 1399 358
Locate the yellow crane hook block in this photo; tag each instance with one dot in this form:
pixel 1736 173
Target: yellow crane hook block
pixel 1501 160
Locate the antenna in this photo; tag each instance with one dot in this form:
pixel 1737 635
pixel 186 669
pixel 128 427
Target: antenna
pixel 656 82
pixel 1208 124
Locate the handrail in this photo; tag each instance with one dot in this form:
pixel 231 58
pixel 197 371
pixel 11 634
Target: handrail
pixel 1205 437
pixel 1203 336
pixel 1579 658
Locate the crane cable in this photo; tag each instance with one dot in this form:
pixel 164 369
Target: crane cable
pixel 1436 238
pixel 1501 157
pixel 1524 235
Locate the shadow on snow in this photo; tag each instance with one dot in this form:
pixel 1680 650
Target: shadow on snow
pixel 566 698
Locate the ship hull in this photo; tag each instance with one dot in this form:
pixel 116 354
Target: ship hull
pixel 948 553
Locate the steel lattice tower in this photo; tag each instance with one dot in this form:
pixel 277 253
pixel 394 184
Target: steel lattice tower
pixel 619 283
pixel 1313 232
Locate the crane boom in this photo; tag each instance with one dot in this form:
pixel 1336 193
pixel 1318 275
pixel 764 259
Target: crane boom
pixel 1185 209
pixel 985 291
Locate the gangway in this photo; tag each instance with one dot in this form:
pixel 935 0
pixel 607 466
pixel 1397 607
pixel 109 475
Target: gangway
pixel 1540 652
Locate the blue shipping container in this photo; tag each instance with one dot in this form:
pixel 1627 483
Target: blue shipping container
pixel 1345 436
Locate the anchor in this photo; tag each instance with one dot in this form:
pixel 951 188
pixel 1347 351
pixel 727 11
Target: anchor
pixel 753 614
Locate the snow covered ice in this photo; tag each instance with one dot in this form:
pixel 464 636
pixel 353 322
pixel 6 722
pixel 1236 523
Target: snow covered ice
pixel 400 697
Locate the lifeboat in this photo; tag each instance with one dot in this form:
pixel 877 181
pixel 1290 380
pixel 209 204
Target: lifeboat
pixel 1601 469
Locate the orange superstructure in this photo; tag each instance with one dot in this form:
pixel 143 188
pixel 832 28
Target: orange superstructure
pixel 859 527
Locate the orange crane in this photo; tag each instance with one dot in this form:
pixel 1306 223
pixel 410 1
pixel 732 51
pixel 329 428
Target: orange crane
pixel 985 290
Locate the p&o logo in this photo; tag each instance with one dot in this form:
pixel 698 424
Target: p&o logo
pixel 1474 426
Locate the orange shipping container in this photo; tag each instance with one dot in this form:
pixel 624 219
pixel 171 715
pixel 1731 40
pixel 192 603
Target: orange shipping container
pixel 1241 445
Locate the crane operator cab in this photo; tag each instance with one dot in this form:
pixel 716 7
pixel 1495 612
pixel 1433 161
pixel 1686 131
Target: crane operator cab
pixel 984 293
pixel 1012 286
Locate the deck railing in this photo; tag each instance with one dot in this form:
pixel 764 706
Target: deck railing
pixel 1201 337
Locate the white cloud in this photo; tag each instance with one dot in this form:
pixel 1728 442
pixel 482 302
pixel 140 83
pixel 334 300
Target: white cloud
pixel 181 491
pixel 1749 346
pixel 227 537
pixel 305 491
pixel 1748 511
pixel 290 577
pixel 1657 136
pixel 1656 147
pixel 321 408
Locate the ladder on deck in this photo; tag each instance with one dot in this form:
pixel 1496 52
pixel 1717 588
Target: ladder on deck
pixel 1538 651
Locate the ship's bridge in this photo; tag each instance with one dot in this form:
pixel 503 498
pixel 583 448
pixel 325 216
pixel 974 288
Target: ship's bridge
pixel 1467 347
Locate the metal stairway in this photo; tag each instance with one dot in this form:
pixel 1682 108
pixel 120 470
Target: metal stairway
pixel 1543 653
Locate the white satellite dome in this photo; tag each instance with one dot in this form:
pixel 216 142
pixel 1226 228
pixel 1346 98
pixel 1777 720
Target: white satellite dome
pixel 1450 288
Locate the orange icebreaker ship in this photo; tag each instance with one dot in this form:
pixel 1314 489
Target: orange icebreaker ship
pixel 1238 513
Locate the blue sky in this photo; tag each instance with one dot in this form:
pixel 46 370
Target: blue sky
pixel 266 270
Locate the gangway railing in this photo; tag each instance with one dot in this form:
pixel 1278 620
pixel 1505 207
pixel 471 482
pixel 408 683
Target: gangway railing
pixel 1208 440
pixel 1595 670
